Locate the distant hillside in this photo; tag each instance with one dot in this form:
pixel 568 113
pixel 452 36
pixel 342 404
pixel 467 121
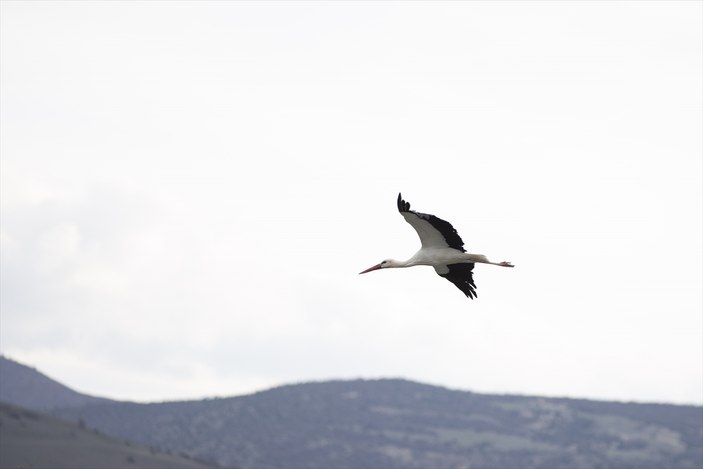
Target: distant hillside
pixel 401 424
pixel 26 387
pixel 32 440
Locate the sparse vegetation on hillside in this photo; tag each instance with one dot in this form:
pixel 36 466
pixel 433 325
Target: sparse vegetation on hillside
pixel 32 440
pixel 395 423
pixel 400 424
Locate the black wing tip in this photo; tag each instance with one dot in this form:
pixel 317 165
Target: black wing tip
pixel 462 277
pixel 403 206
pixel 468 289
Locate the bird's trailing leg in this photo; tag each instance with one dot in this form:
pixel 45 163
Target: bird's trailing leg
pixel 502 264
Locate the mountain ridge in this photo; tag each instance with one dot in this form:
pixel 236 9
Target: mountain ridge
pixel 30 439
pixel 27 387
pixel 82 398
pixel 399 423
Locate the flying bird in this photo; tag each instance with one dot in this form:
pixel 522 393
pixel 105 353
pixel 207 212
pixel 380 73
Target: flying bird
pixel 442 248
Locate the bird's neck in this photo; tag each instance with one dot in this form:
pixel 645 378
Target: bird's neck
pixel 399 264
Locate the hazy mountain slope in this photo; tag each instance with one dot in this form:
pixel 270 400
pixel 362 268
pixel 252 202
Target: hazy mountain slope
pixel 32 440
pixel 26 387
pixel 395 423
pixel 388 423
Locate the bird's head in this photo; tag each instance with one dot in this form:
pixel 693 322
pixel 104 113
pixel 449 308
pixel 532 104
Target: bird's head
pixel 382 265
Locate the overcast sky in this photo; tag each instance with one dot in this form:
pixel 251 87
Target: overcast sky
pixel 189 190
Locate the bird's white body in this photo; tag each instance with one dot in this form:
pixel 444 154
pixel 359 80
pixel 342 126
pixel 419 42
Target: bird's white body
pixel 442 248
pixel 438 257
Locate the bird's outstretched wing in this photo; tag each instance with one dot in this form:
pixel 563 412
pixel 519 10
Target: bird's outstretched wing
pixel 460 275
pixel 433 231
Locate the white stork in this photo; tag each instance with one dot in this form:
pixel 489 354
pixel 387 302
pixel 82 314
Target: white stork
pixel 442 248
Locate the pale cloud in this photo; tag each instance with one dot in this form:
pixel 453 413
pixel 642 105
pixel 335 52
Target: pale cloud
pixel 198 186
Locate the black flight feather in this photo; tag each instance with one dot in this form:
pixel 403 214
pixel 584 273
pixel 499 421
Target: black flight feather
pixel 461 276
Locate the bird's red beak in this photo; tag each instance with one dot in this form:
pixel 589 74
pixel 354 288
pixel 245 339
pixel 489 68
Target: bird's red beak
pixel 376 267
